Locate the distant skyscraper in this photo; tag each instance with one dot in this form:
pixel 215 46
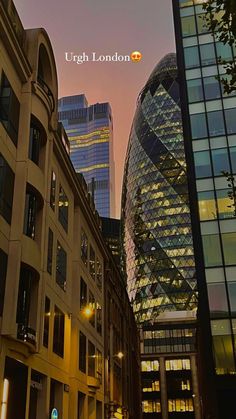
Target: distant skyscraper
pixel 209 123
pixel 90 132
pixel 158 249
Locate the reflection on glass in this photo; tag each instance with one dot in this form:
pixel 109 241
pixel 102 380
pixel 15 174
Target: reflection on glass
pixel 188 26
pixel 217 300
pixel 198 126
pixel 195 91
pixel 191 56
pixel 229 247
pixel 216 123
pixel 224 204
pixel 207 205
pixel 220 161
pixel 211 87
pixel 202 164
pixel 212 250
pixel 207 53
pixel 223 348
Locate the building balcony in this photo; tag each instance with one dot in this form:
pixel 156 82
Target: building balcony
pixel 93 384
pixel 27 335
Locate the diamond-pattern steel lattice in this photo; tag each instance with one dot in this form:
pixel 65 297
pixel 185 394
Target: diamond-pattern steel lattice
pixel 156 225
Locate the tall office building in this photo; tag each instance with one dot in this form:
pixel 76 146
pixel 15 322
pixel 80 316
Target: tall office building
pixel 209 118
pixel 90 132
pixel 158 250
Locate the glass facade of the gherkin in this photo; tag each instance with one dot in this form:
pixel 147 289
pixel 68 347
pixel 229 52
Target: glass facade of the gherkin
pixel 156 225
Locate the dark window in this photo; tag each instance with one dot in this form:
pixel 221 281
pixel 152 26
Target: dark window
pixel 47 315
pixel 195 91
pixel 7 179
pixel 216 123
pixel 92 305
pixel 58 332
pixel 61 267
pixel 92 262
pixel 99 319
pixel 34 144
pixel 99 274
pixel 220 161
pixel 198 126
pixel 83 293
pixel 9 109
pixel 53 191
pixel 84 247
pixel 212 88
pixel 3 274
pixel 26 316
pixel 202 164
pixel 191 57
pixel 207 52
pixel 63 209
pixel 50 251
pixel 30 215
pixel 82 352
pixel 91 359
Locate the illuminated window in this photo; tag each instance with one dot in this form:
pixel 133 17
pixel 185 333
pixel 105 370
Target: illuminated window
pixel 223 346
pixel 149 366
pixel 151 406
pixel 185 385
pixel 180 405
pixel 224 203
pixel 177 364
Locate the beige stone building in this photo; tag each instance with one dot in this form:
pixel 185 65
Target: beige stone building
pixel 55 359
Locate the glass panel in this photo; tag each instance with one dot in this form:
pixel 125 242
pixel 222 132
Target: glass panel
pixel 191 56
pixel 224 204
pixel 212 88
pixel 82 352
pixel 224 51
pixel 63 209
pixel 229 246
pixel 198 126
pixel 232 297
pixel 233 158
pixel 217 300
pixel 195 90
pixel 216 123
pixel 202 164
pixel 58 332
pixel 188 26
pixel 223 349
pixel 202 26
pixel 207 53
pixel 61 268
pixel 91 359
pixel 220 161
pixel 230 120
pixel 184 3
pixel 84 247
pixel 7 179
pixel 207 205
pixel 212 250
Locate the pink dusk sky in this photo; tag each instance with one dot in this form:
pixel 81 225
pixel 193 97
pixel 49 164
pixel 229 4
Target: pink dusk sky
pixel 105 27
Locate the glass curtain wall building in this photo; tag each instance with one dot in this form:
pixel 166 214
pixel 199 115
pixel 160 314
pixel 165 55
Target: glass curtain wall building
pixel 157 248
pixel 90 131
pixel 209 118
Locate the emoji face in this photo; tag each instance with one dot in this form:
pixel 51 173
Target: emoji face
pixel 136 56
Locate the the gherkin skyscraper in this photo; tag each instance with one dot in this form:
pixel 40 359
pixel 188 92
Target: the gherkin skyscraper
pixel 157 245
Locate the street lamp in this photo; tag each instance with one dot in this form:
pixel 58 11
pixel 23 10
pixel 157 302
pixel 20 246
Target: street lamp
pixel 88 311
